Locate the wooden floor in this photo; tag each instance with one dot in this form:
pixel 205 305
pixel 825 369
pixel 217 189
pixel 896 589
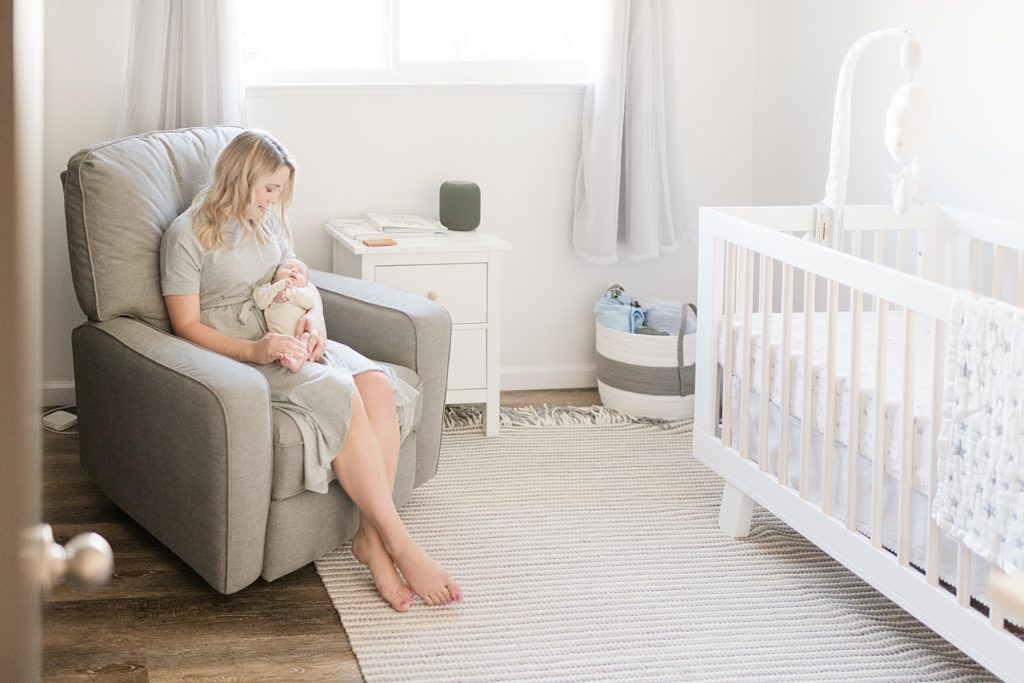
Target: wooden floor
pixel 158 621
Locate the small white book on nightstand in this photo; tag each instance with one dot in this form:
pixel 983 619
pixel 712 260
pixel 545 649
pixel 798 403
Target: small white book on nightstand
pixel 404 224
pixel 353 228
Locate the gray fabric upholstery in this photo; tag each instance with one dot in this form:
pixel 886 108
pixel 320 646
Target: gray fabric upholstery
pixel 119 197
pixel 182 439
pixel 179 437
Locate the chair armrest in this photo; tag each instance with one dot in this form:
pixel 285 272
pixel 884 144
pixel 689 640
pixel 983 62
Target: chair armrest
pixel 387 324
pixel 179 438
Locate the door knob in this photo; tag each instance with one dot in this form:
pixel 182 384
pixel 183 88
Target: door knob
pixel 86 560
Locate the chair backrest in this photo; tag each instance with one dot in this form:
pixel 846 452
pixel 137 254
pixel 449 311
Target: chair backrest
pixel 119 197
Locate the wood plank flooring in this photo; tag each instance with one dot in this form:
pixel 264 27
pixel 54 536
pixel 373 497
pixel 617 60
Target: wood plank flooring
pixel 158 621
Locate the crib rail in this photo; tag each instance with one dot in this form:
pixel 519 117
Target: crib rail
pixel 755 271
pixel 926 242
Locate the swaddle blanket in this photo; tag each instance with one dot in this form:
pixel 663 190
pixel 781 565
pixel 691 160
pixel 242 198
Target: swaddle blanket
pixel 618 310
pixel 980 490
pixel 664 316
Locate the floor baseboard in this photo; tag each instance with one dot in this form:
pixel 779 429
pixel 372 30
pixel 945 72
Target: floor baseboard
pixel 534 377
pixel 58 394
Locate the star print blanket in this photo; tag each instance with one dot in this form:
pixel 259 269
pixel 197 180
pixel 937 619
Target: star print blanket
pixel 980 490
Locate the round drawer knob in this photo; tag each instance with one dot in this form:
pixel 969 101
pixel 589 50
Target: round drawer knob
pixel 432 296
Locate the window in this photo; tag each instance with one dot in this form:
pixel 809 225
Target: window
pixel 346 41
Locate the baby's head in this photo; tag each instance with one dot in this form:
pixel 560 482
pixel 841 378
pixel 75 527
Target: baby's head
pixel 294 270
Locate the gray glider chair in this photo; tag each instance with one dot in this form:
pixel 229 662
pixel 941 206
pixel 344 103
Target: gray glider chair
pixel 182 439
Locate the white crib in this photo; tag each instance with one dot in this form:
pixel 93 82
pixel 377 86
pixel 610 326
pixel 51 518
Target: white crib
pixel 888 294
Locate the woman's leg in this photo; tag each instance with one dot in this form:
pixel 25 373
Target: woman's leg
pixel 367 545
pixel 361 470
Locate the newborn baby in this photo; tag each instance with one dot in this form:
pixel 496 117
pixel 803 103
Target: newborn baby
pixel 284 300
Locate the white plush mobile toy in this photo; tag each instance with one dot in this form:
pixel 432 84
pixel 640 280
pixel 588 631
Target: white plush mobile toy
pixel 904 133
pixel 904 130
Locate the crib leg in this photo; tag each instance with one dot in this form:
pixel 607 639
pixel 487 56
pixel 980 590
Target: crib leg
pixel 735 513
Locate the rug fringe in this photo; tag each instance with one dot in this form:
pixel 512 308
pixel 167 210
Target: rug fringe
pixel 544 416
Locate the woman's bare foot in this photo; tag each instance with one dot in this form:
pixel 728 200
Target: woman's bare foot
pixel 368 549
pixel 426 577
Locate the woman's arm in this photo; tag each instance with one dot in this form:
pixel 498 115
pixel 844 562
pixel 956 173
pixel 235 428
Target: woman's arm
pixel 183 310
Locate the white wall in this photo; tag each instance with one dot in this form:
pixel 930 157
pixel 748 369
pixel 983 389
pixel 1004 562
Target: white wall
pixel 755 80
pixel 972 58
pixel 365 148
pixel 84 73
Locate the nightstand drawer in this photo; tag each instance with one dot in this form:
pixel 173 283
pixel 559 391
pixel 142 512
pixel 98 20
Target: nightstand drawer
pixel 459 287
pixel 467 365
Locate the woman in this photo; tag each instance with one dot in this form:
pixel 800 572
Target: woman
pixel 211 258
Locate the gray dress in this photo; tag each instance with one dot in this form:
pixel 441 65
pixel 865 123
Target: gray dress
pixel 319 396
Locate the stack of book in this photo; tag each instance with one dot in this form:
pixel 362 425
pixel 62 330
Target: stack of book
pixel 404 224
pixel 390 224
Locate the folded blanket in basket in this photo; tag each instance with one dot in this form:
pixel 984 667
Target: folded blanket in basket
pixel 618 310
pixel 980 489
pixel 662 315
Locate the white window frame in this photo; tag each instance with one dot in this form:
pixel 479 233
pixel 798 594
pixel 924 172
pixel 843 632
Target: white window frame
pixel 396 71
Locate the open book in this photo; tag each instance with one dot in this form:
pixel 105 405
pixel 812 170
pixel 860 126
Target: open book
pixel 400 223
pixel 354 228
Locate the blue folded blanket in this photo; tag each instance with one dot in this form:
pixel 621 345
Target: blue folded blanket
pixel 618 310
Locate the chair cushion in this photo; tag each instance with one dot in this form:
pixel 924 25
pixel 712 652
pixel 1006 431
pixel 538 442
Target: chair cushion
pixel 288 465
pixel 119 197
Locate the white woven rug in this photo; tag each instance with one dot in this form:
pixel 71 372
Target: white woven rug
pixel 587 547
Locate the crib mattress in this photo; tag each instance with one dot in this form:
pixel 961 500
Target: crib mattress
pixel 868 395
pixel 894 411
pixel 842 507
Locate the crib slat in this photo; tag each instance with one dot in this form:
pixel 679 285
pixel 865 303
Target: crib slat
pixel 830 399
pixel 972 276
pixel 997 272
pixel 787 372
pixel 907 455
pixel 878 466
pixel 854 450
pixel 747 292
pixel 938 371
pixel 767 296
pixel 807 422
pixel 729 329
pixel 877 253
pixel 963 575
pixel 995 610
pixel 901 250
pixel 1020 278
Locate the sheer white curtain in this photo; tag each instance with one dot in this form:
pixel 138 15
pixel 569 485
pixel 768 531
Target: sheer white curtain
pixel 628 190
pixel 184 66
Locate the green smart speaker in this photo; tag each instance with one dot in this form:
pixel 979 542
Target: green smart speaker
pixel 459 205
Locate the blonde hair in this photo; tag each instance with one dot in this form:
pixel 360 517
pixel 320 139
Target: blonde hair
pixel 248 160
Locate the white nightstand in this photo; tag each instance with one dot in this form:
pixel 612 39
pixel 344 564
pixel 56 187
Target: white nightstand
pixel 459 270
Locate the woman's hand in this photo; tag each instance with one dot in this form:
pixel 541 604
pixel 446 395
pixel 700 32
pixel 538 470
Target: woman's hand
pixel 273 347
pixel 313 322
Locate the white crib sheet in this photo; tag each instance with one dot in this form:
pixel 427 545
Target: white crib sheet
pixel 923 381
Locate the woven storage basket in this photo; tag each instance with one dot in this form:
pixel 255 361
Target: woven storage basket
pixel 646 375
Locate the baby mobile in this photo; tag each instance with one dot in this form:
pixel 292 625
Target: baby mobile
pixel 904 135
